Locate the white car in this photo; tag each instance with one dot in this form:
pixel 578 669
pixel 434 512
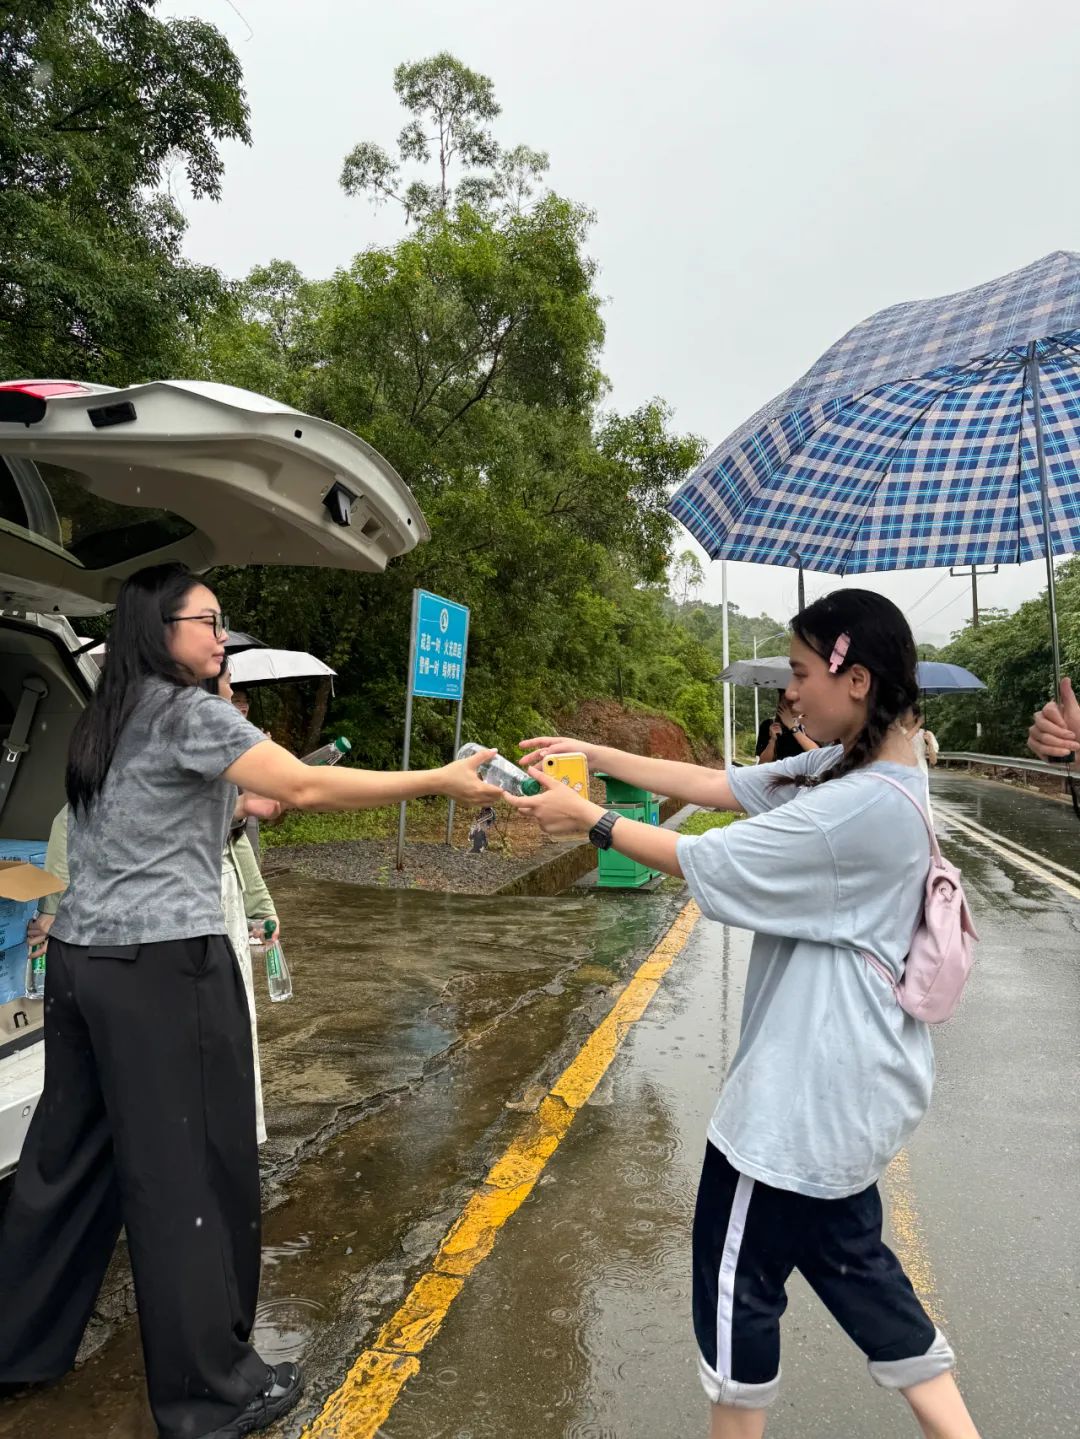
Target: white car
pixel 96 483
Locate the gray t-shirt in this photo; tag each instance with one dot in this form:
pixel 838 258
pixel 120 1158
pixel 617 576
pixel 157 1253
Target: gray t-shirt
pixel 145 862
pixel 830 1076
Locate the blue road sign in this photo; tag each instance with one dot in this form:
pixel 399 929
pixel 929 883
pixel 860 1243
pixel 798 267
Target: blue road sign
pixel 439 645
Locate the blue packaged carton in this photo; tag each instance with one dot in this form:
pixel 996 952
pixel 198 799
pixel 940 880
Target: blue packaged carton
pixel 13 972
pixel 23 881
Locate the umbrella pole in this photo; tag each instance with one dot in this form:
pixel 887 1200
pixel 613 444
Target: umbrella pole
pixel 727 661
pixel 1036 411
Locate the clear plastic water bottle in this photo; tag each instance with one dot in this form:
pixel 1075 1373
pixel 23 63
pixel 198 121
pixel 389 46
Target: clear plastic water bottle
pixel 35 970
pixel 330 753
pixel 278 978
pixel 501 772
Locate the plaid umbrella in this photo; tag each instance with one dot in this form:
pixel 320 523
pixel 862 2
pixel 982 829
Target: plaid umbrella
pixel 941 432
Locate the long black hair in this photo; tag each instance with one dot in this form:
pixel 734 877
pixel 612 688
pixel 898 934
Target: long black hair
pixel 880 640
pixel 136 651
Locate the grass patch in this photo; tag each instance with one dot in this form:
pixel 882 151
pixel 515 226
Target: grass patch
pixel 426 821
pixel 426 824
pixel 704 820
pixel 298 828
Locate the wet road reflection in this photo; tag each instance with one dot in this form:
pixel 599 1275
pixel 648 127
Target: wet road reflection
pixel 420 1024
pixel 424 1026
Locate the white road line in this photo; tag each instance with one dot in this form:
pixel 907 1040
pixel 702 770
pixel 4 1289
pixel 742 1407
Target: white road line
pixel 1045 869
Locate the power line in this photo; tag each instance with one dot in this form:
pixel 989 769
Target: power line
pixel 954 600
pixel 940 580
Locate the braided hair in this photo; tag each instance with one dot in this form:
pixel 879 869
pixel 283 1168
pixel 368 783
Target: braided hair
pixel 881 641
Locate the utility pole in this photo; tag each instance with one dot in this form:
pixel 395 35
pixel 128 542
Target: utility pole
pixel 975 572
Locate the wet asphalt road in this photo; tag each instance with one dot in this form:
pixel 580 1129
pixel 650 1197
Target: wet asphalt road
pixel 578 1323
pixel 402 1068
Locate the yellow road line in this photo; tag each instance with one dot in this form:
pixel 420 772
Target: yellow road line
pixel 361 1404
pixel 908 1238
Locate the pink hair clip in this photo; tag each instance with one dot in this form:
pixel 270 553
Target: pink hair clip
pixel 839 652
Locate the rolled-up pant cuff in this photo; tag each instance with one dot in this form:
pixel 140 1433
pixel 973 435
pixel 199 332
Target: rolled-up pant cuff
pixel 904 1373
pixel 735 1393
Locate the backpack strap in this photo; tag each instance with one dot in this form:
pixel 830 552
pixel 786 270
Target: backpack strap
pixel 872 960
pixel 934 846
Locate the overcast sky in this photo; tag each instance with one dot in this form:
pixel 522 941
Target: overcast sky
pixel 764 174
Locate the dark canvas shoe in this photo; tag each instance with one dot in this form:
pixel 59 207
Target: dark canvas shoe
pixel 281 1392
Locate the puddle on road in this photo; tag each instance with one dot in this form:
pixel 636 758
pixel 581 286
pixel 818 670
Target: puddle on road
pixel 418 1019
pixel 284 1328
pixel 574 1326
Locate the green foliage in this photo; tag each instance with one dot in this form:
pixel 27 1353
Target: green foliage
pixel 703 820
pixel 99 100
pixel 1012 655
pixel 451 108
pixel 468 354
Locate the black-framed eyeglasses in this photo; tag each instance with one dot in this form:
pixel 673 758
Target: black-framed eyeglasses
pixel 219 622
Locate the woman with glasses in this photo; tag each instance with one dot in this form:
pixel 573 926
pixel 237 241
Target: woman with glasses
pixel 147 1117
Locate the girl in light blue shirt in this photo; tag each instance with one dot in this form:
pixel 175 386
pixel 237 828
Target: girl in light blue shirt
pixel 831 1076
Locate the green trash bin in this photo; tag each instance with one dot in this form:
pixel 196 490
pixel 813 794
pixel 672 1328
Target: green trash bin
pixel 614 870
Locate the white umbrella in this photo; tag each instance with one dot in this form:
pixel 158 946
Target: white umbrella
pixel 264 666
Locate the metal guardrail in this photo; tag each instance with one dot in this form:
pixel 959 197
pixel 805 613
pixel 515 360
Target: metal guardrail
pixel 1003 761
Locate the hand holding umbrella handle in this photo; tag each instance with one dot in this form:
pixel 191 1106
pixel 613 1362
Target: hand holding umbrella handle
pixel 1056 729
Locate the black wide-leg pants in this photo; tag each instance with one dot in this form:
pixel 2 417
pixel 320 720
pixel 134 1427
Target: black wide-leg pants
pixel 147 1120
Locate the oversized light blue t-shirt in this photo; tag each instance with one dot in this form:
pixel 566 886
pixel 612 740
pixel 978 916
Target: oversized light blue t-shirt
pixel 830 1076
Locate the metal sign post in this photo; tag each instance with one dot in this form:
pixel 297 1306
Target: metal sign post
pixel 408 727
pixel 457 730
pixel 438 640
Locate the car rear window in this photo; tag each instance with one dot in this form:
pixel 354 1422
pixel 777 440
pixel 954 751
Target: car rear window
pixel 56 504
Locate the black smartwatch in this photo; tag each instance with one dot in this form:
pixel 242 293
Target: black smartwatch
pixel 600 834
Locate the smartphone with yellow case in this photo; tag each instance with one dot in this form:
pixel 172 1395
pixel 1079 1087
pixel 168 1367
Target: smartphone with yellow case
pixel 571 769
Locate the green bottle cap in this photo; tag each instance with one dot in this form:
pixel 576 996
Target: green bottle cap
pixel 531 786
pixel 269 927
pixel 342 745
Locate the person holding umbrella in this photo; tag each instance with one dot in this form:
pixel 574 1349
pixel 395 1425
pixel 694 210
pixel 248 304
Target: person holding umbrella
pixel 831 1075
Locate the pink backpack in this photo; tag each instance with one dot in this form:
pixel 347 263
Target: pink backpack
pixel 943 947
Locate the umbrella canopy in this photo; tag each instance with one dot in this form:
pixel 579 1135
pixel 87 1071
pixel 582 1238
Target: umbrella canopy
pixel 938 678
pixel 911 443
pixel 940 432
pixel 773 673
pixel 263 666
pixel 935 677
